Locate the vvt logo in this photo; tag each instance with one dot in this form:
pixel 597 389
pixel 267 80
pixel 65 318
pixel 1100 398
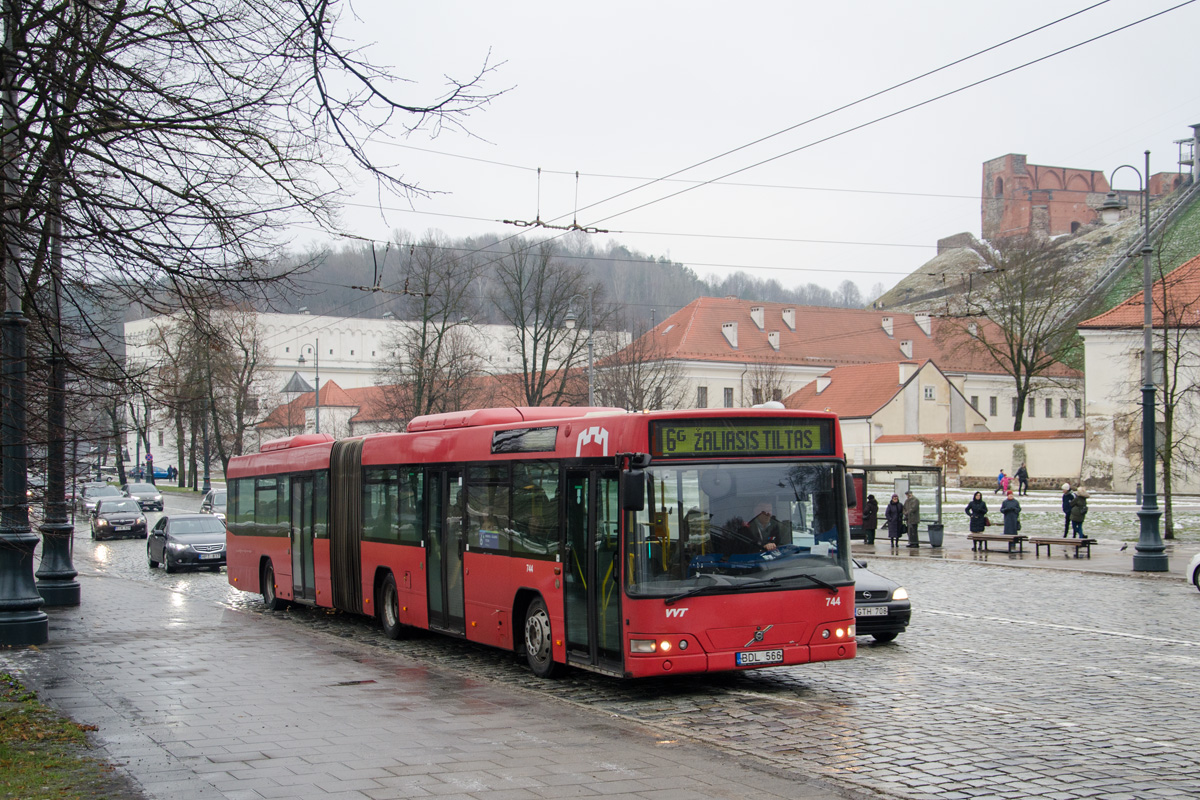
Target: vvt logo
pixel 676 612
pixel 597 435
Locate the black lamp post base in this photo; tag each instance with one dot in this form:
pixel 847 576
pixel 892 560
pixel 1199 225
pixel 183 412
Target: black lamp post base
pixel 57 594
pixel 24 628
pixel 1150 555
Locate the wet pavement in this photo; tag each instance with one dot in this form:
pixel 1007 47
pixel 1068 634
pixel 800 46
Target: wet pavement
pixel 1021 676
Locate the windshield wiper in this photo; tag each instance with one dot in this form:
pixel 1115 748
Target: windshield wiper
pixel 693 592
pixel 751 585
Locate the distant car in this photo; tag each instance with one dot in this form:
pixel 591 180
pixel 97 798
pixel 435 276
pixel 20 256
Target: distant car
pixel 147 494
pixel 187 541
pixel 1193 570
pixel 87 500
pixel 881 606
pixel 117 518
pixel 214 503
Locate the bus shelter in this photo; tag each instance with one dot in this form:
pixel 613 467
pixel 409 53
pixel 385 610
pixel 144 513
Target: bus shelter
pixel 884 480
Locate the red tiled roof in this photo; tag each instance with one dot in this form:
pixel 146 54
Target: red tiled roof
pixel 824 337
pixel 1183 292
pixel 856 391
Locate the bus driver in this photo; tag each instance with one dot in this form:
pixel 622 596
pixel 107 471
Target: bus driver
pixel 764 528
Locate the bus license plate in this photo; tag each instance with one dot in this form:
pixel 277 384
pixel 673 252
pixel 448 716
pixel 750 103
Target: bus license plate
pixel 875 611
pixel 753 657
pixel 210 555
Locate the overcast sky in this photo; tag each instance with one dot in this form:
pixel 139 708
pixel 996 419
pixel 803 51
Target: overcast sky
pixel 623 92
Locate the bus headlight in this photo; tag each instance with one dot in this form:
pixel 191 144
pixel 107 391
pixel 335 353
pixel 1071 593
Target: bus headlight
pixel 642 645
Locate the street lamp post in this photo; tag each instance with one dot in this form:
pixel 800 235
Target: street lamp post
pixel 591 352
pixel 1149 555
pixel 317 368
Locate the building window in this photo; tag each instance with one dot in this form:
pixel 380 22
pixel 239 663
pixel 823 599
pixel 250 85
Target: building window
pixel 1062 408
pixel 287 349
pixel 975 402
pixel 756 396
pixel 701 397
pixel 658 397
pixel 1014 406
pixel 931 393
pixel 160 438
pixel 777 395
pixel 1031 407
pixel 351 352
pixel 728 398
pixel 1049 408
pixel 1078 409
pixel 992 410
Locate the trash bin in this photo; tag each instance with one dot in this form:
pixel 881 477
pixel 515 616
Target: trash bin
pixel 935 534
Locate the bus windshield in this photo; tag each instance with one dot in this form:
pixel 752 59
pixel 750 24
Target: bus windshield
pixel 731 525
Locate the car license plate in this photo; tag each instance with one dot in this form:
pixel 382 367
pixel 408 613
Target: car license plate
pixel 210 555
pixel 873 611
pixel 753 657
pixel 122 527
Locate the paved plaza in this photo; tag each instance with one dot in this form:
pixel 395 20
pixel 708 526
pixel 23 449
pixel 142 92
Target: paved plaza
pixel 1021 676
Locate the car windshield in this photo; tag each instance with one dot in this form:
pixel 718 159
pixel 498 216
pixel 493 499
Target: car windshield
pixel 143 487
pixel 119 506
pixel 218 500
pixel 199 527
pixel 104 491
pixel 710 527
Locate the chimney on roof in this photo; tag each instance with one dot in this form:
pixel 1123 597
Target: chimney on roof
pixel 923 322
pixel 789 318
pixel 773 339
pixel 887 325
pixel 823 383
pixel 907 369
pixel 906 347
pixel 729 331
pixel 759 315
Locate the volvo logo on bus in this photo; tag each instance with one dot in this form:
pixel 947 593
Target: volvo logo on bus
pixel 759 633
pixel 595 435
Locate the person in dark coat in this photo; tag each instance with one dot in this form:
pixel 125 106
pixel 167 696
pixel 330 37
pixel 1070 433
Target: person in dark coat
pixel 894 516
pixel 977 511
pixel 1078 512
pixel 1022 479
pixel 912 518
pixel 1011 510
pixel 870 518
pixel 1067 499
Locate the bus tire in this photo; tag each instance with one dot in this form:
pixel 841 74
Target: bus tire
pixel 388 604
pixel 539 641
pixel 270 598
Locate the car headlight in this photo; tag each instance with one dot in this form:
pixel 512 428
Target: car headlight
pixel 176 547
pixel 158 498
pixel 900 594
pixel 140 521
pixel 102 522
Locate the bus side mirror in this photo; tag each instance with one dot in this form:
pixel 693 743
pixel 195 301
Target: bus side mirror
pixel 851 492
pixel 634 490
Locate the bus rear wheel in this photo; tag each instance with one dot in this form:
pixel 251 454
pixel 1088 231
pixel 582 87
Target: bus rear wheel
pixel 539 641
pixel 388 604
pixel 270 598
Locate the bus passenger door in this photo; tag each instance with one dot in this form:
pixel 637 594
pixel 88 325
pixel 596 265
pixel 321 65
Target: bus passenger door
pixel 303 587
pixel 593 569
pixel 444 543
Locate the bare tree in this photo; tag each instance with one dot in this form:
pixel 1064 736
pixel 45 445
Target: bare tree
pixel 434 359
pixel 1019 311
pixel 638 376
pixel 765 381
pixel 537 294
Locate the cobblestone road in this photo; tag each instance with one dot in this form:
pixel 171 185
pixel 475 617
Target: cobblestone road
pixel 1010 683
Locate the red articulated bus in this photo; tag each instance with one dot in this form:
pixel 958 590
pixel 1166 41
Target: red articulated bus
pixel 631 544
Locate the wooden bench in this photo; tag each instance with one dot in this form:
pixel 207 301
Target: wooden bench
pixel 979 541
pixel 1065 541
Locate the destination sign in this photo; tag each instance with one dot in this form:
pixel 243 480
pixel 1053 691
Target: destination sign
pixel 742 437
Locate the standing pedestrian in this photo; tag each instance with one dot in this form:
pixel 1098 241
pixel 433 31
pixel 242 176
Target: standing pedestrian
pixel 912 517
pixel 1011 510
pixel 1067 499
pixel 1000 482
pixel 1078 512
pixel 870 518
pixel 1022 479
pixel 977 511
pixel 1005 484
pixel 894 516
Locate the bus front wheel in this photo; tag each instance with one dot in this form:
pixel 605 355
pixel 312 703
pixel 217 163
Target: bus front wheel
pixel 270 598
pixel 539 641
pixel 389 608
